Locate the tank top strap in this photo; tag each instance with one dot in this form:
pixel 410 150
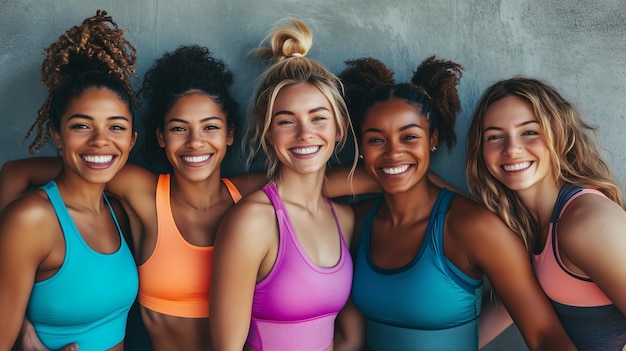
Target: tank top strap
pixel 366 229
pixel 565 193
pixel 232 189
pixel 65 220
pixel 434 232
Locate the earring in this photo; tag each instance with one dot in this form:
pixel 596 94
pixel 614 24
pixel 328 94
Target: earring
pixel 361 157
pixel 434 148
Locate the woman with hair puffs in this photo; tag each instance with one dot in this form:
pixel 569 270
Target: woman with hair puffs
pixel 64 262
pixel 533 160
pixel 423 250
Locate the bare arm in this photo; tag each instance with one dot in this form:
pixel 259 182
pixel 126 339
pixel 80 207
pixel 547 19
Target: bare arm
pixel 240 248
pixel 601 256
pixel 21 252
pixel 18 175
pixel 349 329
pixel 503 258
pixel 337 182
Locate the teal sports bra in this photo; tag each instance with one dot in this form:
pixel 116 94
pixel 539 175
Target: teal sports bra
pixel 87 300
pixel 428 304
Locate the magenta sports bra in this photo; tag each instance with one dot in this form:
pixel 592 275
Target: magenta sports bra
pixel 295 306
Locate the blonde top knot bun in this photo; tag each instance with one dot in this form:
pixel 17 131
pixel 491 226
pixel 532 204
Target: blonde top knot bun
pixel 290 38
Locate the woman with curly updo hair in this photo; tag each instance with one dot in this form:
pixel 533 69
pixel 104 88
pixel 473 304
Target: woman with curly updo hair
pixel 282 267
pixel 190 123
pixel 64 262
pixel 534 161
pixel 422 250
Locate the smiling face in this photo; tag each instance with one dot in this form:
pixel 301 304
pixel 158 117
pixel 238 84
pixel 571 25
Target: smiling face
pixel 303 129
pixel 513 147
pixel 95 135
pixel 195 136
pixel 396 144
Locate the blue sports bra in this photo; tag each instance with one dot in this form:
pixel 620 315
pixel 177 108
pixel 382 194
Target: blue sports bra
pixel 87 300
pixel 428 304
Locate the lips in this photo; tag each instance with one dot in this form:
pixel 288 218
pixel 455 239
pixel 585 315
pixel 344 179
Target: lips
pixel 196 159
pixel 305 150
pixel 517 166
pixel 395 170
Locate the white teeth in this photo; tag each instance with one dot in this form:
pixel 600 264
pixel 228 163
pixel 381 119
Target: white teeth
pixel 395 170
pixel 195 159
pixel 516 167
pixel 305 150
pixel 98 159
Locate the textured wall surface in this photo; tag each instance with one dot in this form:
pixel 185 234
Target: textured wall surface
pixel 578 46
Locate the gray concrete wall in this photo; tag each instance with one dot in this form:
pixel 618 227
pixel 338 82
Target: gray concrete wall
pixel 578 46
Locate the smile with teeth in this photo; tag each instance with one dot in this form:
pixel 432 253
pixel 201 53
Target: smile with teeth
pixel 395 170
pixel 196 159
pixel 517 167
pixel 305 150
pixel 98 158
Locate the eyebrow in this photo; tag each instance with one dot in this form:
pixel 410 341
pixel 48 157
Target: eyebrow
pixel 311 111
pixel 180 120
pixel 403 128
pixel 517 126
pixel 81 116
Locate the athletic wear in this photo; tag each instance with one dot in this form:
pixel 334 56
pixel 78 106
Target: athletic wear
pixel 87 300
pixel 588 316
pixel 295 306
pixel 176 278
pixel 428 304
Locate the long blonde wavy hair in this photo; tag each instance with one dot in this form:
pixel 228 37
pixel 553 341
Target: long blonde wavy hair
pixel 573 146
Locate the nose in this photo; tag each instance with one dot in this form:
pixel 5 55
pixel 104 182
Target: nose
pixel 512 147
pixel 392 150
pixel 304 131
pixel 99 137
pixel 195 139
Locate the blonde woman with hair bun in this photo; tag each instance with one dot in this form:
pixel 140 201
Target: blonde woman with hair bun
pixel 282 268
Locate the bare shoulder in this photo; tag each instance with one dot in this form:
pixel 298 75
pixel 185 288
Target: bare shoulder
pixel 29 221
pixel 249 182
pixel 133 183
pixel 591 214
pixel 253 215
pixel 477 228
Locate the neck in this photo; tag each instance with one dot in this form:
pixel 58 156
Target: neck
pixel 303 189
pixel 80 194
pixel 412 205
pixel 201 194
pixel 540 201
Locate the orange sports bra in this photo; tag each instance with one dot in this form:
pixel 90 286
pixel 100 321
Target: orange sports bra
pixel 176 278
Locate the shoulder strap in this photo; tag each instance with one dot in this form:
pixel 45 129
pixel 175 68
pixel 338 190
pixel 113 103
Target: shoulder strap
pixel 565 193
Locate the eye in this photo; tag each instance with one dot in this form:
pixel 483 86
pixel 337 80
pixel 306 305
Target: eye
pixel 374 140
pixel 211 127
pixel 177 129
pixel 79 126
pixel 411 137
pixel 284 122
pixel 530 132
pixel 119 127
pixel 492 137
pixel 319 118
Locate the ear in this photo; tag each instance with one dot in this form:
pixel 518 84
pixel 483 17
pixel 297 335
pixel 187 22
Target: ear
pixel 133 141
pixel 160 137
pixel 269 138
pixel 230 136
pixel 434 138
pixel 58 140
